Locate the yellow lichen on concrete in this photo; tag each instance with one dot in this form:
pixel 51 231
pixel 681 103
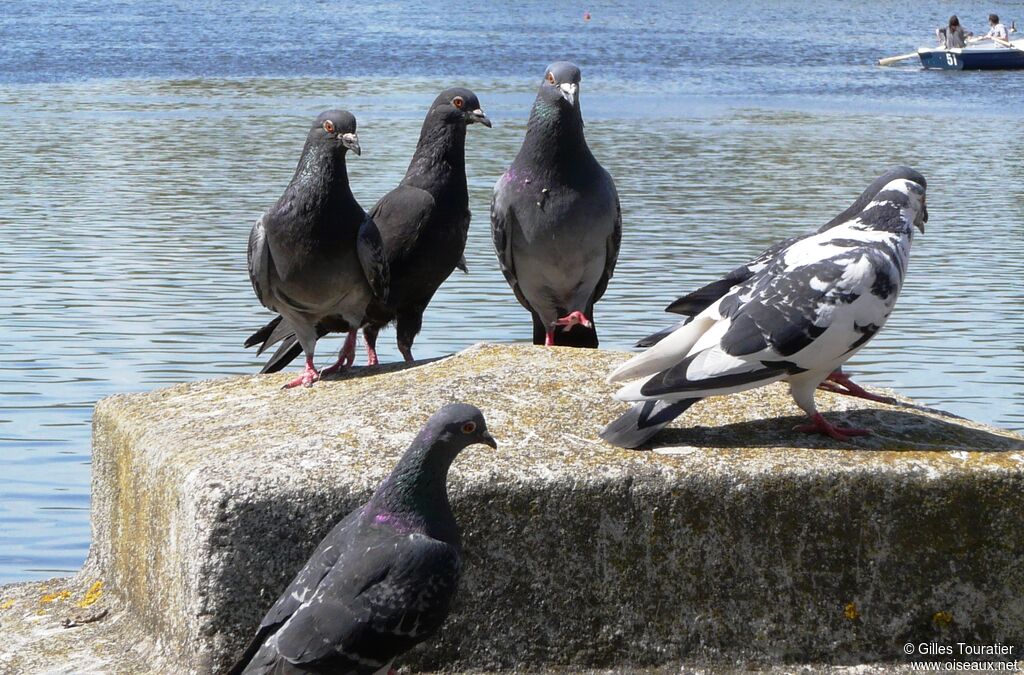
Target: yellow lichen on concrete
pixel 91 595
pixel 59 596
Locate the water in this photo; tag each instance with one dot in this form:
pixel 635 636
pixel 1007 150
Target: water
pixel 139 142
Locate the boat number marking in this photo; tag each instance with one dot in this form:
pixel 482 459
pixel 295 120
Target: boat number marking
pixel 951 59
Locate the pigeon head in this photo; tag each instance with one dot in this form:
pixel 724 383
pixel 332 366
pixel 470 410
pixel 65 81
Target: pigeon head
pixel 561 83
pixel 916 194
pixel 448 431
pixel 907 197
pixel 415 495
pixel 456 426
pixel 337 128
pixel 459 105
pixel 871 191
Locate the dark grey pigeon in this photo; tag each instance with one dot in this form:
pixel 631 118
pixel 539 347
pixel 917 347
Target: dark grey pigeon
pixel 801 317
pixel 383 579
pixel 555 218
pixel 422 224
pixel 310 255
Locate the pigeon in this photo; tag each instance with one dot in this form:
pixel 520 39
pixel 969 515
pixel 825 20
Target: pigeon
pixel 422 225
pixel 555 218
pixel 694 303
pixel 311 255
pixel 383 579
pixel 811 308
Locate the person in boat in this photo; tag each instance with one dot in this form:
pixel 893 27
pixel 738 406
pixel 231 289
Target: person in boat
pixel 953 35
pixel 996 29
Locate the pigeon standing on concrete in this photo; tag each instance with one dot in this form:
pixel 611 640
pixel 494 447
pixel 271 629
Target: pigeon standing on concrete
pixel 383 579
pixel 555 218
pixel 424 222
pixel 422 225
pixel 310 255
pixel 800 318
pixel 696 302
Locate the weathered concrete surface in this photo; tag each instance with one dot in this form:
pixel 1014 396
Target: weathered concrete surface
pixel 739 540
pixel 36 642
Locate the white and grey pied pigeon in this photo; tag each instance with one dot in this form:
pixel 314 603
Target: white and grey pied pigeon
pixel 692 304
pixel 383 579
pixel 798 319
pixel 555 218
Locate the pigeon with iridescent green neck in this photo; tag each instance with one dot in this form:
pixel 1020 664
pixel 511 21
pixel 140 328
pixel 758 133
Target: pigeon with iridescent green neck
pixel 555 218
pixel 311 256
pixel 383 580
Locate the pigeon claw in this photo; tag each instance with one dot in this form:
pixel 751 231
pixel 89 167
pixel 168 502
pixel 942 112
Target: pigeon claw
pixel 346 357
pixel 820 425
pixel 573 318
pixel 839 383
pixel 308 377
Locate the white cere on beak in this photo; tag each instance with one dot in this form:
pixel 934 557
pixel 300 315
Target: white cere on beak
pixel 569 91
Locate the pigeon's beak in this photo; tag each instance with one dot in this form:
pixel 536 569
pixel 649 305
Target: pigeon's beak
pixel 351 141
pixel 924 214
pixel 569 91
pixel 479 116
pixel 487 439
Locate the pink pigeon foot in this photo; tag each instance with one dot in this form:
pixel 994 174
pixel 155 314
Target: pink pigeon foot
pixel 844 385
pixel 346 357
pixel 821 426
pixel 567 322
pixel 308 377
pixel 573 318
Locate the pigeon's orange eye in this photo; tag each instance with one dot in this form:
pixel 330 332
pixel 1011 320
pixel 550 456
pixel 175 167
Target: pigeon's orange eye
pixel 329 126
pixel 469 427
pixel 458 102
pixel 551 78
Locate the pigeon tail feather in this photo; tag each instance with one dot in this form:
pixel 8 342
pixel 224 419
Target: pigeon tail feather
pixel 696 302
pixel 261 336
pixel 665 354
pixel 285 354
pixel 643 421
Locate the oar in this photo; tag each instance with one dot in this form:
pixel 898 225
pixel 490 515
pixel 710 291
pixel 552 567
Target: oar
pixel 889 60
pixel 1007 44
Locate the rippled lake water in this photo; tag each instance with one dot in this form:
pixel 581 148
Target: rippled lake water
pixel 136 151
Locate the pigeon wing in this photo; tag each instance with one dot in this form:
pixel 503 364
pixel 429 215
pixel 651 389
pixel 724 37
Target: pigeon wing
pixel 396 595
pixel 373 259
pixel 323 560
pixel 503 224
pixel 780 323
pixel 611 252
pixel 259 261
pixel 696 302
